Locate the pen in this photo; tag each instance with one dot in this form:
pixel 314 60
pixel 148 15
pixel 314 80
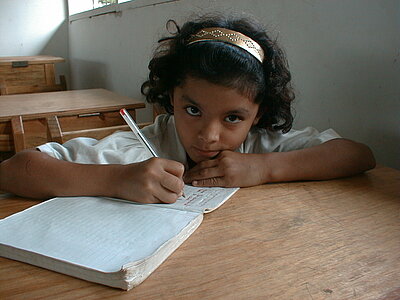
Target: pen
pixel 132 125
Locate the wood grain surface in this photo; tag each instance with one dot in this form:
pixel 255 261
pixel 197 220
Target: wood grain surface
pixel 337 239
pixel 64 103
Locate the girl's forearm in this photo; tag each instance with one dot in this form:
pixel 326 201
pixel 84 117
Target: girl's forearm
pixel 333 159
pixel 36 175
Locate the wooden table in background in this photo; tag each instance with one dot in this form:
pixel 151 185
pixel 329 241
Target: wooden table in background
pixel 337 239
pixel 29 120
pixel 30 74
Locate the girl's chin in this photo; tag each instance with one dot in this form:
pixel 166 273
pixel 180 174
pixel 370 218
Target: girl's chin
pixel 199 159
pixel 196 160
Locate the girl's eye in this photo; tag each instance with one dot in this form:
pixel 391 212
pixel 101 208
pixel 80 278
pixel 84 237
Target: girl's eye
pixel 232 119
pixel 193 111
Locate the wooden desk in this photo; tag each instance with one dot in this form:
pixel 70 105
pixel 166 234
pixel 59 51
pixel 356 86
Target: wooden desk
pixel 337 239
pixel 29 74
pixel 28 120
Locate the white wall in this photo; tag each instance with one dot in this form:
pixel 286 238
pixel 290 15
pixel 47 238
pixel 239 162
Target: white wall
pixel 344 56
pixel 33 27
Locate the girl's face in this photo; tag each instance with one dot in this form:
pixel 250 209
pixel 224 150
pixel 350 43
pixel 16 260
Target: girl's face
pixel 210 118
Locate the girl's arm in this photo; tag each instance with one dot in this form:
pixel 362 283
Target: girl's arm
pixel 333 159
pixel 34 174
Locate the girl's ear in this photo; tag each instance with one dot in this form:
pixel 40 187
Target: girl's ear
pixel 258 117
pixel 256 120
pixel 171 97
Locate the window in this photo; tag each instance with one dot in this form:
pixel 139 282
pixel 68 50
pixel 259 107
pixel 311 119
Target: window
pixel 81 9
pixel 78 6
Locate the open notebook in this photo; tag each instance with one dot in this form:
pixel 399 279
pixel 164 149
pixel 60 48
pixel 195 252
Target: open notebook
pixel 104 240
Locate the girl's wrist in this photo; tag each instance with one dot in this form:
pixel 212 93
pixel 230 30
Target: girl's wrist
pixel 94 180
pixel 111 180
pixel 275 166
pixel 267 169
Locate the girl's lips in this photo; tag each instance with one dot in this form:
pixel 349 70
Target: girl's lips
pixel 206 153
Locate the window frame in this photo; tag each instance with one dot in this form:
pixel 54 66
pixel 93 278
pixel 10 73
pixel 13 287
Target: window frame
pixel 116 8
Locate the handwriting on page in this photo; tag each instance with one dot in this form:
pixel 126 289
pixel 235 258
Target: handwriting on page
pixel 204 199
pixel 200 197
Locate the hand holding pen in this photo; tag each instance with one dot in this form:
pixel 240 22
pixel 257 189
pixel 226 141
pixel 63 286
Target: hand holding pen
pixel 166 184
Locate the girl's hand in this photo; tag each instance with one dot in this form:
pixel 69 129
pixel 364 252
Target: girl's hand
pixel 228 169
pixel 155 180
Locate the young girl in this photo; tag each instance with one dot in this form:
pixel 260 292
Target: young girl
pixel 225 86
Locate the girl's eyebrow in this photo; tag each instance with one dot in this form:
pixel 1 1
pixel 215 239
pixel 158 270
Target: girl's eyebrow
pixel 241 110
pixel 188 99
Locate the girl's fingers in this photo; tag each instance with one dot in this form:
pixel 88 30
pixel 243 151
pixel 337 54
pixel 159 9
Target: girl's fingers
pixel 173 167
pixel 210 182
pixel 164 195
pixel 206 164
pixel 172 183
pixel 203 173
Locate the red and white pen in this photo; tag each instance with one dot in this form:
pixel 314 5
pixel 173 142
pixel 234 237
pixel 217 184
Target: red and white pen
pixel 131 123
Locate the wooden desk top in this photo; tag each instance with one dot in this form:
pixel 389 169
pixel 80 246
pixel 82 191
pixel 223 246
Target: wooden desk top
pixel 32 60
pixel 40 105
pixel 337 239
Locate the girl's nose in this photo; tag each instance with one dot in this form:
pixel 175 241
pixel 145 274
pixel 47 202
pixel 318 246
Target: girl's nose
pixel 210 132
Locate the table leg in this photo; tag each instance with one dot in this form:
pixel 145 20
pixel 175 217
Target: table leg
pixel 18 133
pixel 54 133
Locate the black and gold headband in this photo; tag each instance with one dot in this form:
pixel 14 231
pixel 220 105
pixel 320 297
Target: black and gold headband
pixel 229 36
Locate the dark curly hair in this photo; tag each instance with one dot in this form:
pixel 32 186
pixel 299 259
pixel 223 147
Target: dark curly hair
pixel 224 64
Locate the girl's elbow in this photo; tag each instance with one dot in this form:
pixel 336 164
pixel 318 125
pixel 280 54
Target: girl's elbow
pixel 365 156
pixel 370 159
pixel 360 157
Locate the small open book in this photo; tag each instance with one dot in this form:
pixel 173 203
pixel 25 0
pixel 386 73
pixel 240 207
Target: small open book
pixel 104 240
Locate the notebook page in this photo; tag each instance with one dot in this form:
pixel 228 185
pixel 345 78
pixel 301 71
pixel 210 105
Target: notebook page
pixel 202 199
pixel 96 233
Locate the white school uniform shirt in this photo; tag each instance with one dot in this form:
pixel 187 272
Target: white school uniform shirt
pixel 123 147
